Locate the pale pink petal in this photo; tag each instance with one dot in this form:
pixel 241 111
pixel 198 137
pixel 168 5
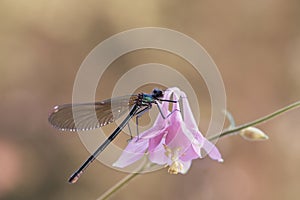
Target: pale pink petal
pixel 177 140
pixel 212 151
pixel 178 137
pixel 155 141
pixel 151 132
pixel 158 155
pixel 187 113
pixel 133 152
pixel 175 121
pixel 172 131
pixel 186 166
pixel 185 126
pixel 158 126
pixel 176 91
pixel 191 153
pixel 190 122
pixel 198 136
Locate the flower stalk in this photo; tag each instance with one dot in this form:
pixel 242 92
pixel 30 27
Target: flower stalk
pixel 125 180
pixel 258 121
pixel 117 186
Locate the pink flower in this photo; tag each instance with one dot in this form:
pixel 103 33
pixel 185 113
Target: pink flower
pixel 173 141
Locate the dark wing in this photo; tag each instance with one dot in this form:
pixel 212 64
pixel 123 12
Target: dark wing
pixel 90 115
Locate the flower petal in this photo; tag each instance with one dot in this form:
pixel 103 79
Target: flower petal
pixel 212 151
pixel 158 155
pixel 133 152
pixel 190 153
pixel 155 141
pixel 186 166
pixel 187 113
pixel 151 132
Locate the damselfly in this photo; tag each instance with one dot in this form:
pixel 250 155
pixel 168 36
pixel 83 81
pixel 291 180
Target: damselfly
pixel 106 111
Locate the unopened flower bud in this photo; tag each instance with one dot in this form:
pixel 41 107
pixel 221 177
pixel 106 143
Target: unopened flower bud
pixel 253 134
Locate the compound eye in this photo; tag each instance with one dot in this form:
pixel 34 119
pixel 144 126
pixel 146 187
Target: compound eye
pixel 160 94
pixel 157 93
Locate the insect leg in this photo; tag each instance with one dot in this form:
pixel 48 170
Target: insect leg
pixel 138 115
pixel 163 116
pixel 129 132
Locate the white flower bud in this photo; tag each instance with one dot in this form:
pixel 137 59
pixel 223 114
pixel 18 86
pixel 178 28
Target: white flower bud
pixel 253 134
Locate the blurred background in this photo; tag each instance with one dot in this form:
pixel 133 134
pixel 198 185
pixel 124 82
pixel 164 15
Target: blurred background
pixel 256 45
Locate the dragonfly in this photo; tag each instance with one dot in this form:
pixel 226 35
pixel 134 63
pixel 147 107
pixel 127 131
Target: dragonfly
pixel 107 111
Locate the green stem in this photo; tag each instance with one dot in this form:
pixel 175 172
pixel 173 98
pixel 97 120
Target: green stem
pixel 122 182
pixel 116 187
pixel 258 121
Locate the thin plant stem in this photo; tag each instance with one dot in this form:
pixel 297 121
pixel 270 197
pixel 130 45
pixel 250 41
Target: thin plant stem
pixel 258 121
pixel 122 182
pixel 117 186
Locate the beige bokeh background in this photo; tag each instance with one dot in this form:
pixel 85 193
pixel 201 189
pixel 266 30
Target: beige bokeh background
pixel 256 45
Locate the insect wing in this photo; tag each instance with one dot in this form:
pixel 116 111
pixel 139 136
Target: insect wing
pixel 87 116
